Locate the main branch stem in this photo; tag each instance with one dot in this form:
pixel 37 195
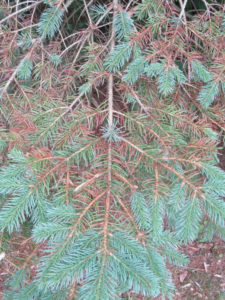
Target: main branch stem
pixel 110 124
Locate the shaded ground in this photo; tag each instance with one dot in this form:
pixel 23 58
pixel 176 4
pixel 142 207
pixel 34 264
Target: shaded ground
pixel 204 277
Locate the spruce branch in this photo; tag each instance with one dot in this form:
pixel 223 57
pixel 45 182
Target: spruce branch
pixel 85 210
pixel 143 125
pixel 35 42
pixel 13 76
pixel 192 186
pixel 85 37
pixel 110 124
pixel 130 216
pixel 87 12
pixel 114 143
pixel 20 11
pixel 89 181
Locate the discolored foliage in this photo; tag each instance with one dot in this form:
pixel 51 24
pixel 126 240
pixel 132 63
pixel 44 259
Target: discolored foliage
pixel 112 116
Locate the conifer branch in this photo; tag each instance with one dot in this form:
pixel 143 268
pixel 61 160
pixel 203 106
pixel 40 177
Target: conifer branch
pixel 87 12
pixel 156 182
pixel 110 124
pixel 142 125
pixel 67 159
pixel 193 187
pixel 129 214
pixel 12 77
pixel 20 11
pixel 146 109
pixel 87 182
pixel 105 146
pixel 85 210
pixel 73 289
pixel 122 178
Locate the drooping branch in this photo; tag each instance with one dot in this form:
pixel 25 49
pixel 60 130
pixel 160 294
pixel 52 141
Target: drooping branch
pixel 110 124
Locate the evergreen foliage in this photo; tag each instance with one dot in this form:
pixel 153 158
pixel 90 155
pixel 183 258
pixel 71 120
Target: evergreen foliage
pixel 25 69
pixel 200 71
pixel 123 25
pixel 50 22
pixel 110 118
pixel 167 77
pixel 118 57
pixel 208 93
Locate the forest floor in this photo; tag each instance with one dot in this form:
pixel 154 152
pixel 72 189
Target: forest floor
pixel 204 277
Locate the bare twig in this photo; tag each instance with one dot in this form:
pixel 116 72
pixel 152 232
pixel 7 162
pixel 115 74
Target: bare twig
pixel 182 12
pixel 207 6
pixel 87 12
pixel 87 182
pixel 19 11
pixel 12 77
pixel 10 80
